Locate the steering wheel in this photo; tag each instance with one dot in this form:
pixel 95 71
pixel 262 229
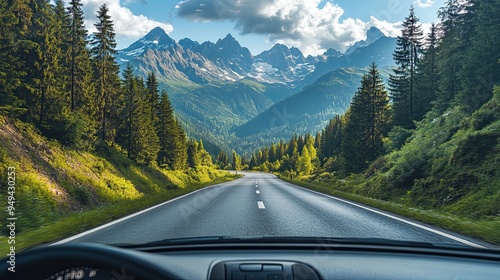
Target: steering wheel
pixel 83 261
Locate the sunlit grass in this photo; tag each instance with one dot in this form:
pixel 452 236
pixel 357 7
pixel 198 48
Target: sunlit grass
pixel 61 191
pixel 487 229
pixel 60 227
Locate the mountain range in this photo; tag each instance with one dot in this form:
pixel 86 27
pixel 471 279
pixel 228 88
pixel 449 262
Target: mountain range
pixel 229 97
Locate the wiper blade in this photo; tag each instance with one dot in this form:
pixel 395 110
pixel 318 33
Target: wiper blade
pixel 281 240
pixel 172 241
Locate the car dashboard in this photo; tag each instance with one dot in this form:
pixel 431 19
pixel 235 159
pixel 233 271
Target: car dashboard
pixel 252 260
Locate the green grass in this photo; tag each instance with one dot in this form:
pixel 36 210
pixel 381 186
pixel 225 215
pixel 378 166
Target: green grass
pixel 62 191
pixel 445 174
pixel 485 229
pixel 74 223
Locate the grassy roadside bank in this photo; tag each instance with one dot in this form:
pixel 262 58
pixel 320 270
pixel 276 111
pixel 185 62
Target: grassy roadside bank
pixel 487 230
pixel 57 191
pixel 85 220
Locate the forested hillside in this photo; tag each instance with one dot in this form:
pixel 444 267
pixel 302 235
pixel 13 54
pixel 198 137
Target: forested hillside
pixel 430 137
pixel 71 89
pixel 79 134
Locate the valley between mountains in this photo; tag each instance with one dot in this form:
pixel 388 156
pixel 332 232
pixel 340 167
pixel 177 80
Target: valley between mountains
pixel 232 99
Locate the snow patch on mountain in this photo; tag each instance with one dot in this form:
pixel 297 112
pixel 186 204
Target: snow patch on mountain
pixel 227 60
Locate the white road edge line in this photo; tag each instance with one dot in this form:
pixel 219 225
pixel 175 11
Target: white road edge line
pixel 256 185
pixel 467 242
pixel 257 192
pixel 261 205
pixel 127 217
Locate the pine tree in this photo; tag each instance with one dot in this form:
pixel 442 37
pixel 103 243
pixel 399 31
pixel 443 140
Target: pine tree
pixel 428 75
pixel 30 89
pixel 481 36
pixel 205 158
pixel 147 137
pixel 59 103
pixel 264 155
pixel 280 150
pixel 137 133
pixel 127 131
pixel 81 88
pixel 223 160
pixel 402 82
pixel 153 91
pixel 193 158
pixel 106 73
pixel 52 70
pixel 451 53
pixel 300 143
pixel 180 148
pixel 172 139
pixel 317 140
pixel 273 153
pixel 293 148
pixel 11 66
pixel 253 163
pixel 40 52
pixel 79 95
pixel 16 45
pixel 367 122
pixel 167 132
pixel 331 139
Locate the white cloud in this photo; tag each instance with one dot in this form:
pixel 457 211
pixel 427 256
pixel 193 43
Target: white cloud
pixel 424 3
pixel 394 29
pixel 143 2
pixel 388 28
pixel 301 23
pixel 306 24
pixel 128 26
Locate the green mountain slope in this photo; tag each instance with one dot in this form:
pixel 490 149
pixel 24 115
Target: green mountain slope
pixel 209 112
pixel 309 109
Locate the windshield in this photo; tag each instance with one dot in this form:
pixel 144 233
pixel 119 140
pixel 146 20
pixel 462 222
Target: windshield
pixel 130 122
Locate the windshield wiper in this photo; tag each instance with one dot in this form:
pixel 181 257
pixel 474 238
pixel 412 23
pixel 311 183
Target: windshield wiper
pixel 211 240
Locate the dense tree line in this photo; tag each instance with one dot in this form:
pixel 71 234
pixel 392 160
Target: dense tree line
pixel 69 86
pixel 347 144
pixel 457 64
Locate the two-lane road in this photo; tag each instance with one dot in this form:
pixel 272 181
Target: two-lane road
pixel 259 204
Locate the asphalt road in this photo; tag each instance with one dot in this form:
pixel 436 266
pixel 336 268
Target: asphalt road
pixel 259 204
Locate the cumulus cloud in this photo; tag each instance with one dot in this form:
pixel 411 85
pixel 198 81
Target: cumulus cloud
pixel 143 2
pixel 306 24
pixel 388 28
pixel 128 26
pixel 424 3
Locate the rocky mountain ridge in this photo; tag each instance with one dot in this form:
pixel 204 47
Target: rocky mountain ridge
pixel 226 60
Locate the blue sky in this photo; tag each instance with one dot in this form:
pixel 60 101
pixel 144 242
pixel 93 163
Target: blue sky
pixel 311 25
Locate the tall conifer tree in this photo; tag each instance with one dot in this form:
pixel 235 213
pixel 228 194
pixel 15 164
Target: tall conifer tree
pixel 428 75
pixel 106 73
pixel 402 82
pixel 14 20
pixel 367 122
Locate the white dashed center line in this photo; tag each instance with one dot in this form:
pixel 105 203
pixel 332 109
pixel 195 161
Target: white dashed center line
pixel 257 192
pixel 260 204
